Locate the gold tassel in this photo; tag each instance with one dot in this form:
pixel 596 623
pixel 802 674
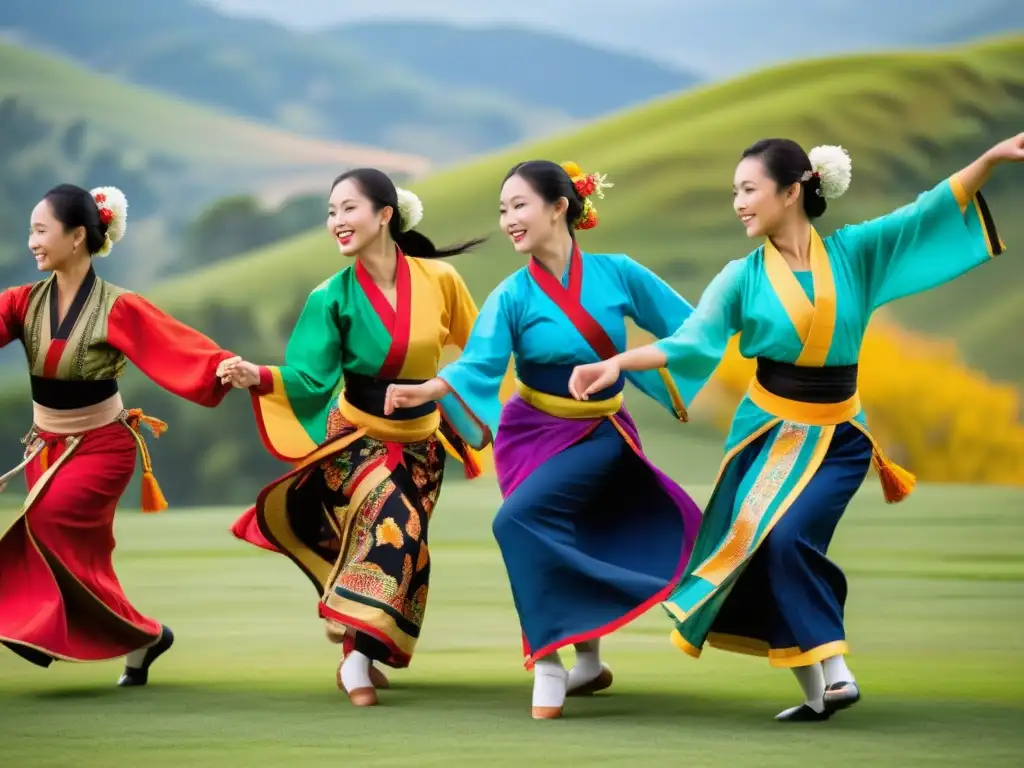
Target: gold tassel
pixel 897 483
pixel 153 499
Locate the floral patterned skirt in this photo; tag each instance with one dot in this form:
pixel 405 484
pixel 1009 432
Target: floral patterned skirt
pixel 356 523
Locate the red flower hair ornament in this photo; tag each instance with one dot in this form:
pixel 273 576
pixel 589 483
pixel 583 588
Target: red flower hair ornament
pixel 587 185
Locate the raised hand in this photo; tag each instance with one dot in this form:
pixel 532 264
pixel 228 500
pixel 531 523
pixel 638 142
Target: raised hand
pixel 1010 150
pixel 593 377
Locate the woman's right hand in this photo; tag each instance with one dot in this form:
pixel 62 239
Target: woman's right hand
pixel 593 377
pixel 240 373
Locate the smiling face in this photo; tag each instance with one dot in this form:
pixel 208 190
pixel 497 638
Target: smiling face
pixel 759 202
pixel 52 247
pixel 351 219
pixel 527 219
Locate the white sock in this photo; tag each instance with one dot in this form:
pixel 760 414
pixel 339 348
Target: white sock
pixel 836 671
pixel 355 672
pixel 137 658
pixel 549 682
pixel 812 682
pixel 588 664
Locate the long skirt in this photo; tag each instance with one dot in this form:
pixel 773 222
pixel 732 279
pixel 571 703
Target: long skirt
pixel 354 518
pixel 59 595
pixel 592 534
pixel 760 581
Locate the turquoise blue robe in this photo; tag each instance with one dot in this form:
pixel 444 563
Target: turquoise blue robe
pixel 759 581
pixel 592 534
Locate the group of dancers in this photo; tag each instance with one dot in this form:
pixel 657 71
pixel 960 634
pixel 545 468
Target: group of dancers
pixel 592 534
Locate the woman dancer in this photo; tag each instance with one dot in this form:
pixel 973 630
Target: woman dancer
pixel 354 512
pixel 759 581
pixel 592 534
pixel 59 596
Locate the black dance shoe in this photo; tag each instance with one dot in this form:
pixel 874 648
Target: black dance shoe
pixel 802 714
pixel 133 676
pixel 841 695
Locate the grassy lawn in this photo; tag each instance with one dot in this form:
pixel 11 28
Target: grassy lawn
pixel 934 621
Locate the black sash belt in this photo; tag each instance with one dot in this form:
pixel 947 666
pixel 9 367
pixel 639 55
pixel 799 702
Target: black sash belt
pixel 831 384
pixel 367 394
pixel 63 395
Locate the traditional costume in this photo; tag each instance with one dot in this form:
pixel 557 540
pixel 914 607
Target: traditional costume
pixel 354 512
pixel 59 595
pixel 759 581
pixel 592 534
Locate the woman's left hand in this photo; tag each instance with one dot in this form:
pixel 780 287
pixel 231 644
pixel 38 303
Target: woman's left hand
pixel 404 396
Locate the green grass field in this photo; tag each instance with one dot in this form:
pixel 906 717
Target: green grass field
pixel 151 122
pixel 934 618
pixel 907 119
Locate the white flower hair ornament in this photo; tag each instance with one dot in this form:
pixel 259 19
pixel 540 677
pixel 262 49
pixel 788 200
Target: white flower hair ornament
pixel 113 207
pixel 410 209
pixel 832 165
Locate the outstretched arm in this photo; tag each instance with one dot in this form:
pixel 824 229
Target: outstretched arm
pixel 945 233
pixel 173 355
pixel 691 354
pixel 13 306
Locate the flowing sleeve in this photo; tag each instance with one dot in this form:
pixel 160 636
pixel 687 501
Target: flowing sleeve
pixel 462 310
pixel 291 401
pixel 13 306
pixel 698 345
pixel 473 407
pixel 657 308
pixel 466 442
pixel 937 238
pixel 178 358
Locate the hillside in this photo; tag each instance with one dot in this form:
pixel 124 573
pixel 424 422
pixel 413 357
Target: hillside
pixel 906 119
pixel 217 146
pixel 590 81
pixel 338 85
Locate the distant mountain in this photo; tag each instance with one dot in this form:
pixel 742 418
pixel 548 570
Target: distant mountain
pixel 993 18
pixel 425 89
pixel 716 38
pixel 553 71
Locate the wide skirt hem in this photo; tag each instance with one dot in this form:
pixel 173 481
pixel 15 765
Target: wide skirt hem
pixel 399 659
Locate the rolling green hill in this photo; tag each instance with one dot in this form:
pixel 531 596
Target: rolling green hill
pixel 429 90
pixel 59 122
pixel 907 119
pixel 213 143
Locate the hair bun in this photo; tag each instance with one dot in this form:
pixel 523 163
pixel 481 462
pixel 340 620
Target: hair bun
pixel 832 166
pixel 410 208
pixel 113 207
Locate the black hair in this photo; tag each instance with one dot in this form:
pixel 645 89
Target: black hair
pixel 551 181
pixel 381 191
pixel 786 162
pixel 75 207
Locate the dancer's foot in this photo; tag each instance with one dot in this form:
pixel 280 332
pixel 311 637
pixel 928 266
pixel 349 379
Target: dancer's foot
pixel 136 670
pixel 841 696
pixel 377 678
pixel 354 677
pixel 803 713
pixel 549 681
pixel 583 682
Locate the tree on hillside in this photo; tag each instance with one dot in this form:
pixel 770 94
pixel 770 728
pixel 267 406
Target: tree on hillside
pixel 234 225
